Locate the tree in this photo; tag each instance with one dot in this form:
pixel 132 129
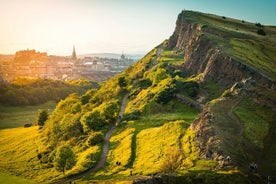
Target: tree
pixel 42 117
pixel 92 121
pixel 94 138
pixel 65 159
pixel 122 82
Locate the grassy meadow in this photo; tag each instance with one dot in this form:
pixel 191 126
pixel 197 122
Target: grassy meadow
pixel 11 117
pixel 23 160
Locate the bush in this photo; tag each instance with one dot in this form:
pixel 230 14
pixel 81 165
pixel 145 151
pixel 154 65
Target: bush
pixel 27 125
pixel 132 116
pixel 261 32
pixel 95 138
pixel 259 25
pixel 42 117
pixel 171 163
pixel 65 159
pixel 143 83
pixel 91 121
pixel 122 82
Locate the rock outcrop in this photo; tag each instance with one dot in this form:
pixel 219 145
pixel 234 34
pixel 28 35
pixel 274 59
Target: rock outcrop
pixel 203 56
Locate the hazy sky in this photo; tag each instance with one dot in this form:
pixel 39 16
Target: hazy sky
pixel 129 26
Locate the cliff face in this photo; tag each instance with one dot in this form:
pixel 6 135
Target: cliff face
pixel 205 57
pixel 219 131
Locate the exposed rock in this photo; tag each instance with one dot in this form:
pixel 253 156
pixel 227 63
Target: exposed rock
pixel 202 56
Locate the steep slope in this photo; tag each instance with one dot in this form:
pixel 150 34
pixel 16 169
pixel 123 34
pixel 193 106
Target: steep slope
pixel 225 50
pixel 228 51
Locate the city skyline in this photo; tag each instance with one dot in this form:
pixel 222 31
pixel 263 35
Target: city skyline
pixel 94 26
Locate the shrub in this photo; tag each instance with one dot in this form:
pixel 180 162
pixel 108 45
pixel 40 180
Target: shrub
pixel 143 83
pixel 65 159
pixel 171 163
pixel 95 138
pixel 261 32
pixel 42 117
pixel 259 25
pixel 122 82
pixel 132 116
pixel 91 121
pixel 27 125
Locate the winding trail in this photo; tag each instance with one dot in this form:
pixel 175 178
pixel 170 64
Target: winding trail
pixel 189 101
pixel 244 143
pixel 233 116
pixel 101 162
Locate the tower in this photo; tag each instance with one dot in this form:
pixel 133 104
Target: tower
pixel 74 56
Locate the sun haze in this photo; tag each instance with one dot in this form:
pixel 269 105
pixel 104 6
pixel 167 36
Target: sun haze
pixel 134 27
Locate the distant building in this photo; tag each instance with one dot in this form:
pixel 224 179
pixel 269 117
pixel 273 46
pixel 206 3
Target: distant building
pixel 74 56
pixel 123 57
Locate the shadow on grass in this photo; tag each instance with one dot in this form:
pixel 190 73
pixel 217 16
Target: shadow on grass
pixel 203 177
pixel 133 150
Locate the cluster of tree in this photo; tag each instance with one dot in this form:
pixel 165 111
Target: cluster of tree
pixel 72 118
pixel 24 92
pixel 260 31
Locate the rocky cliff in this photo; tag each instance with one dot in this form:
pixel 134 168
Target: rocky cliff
pixel 204 55
pixel 206 42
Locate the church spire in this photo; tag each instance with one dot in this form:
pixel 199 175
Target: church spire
pixel 74 56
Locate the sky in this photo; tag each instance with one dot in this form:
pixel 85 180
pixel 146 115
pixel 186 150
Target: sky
pixel 109 26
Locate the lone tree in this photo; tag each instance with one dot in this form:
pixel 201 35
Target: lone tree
pixel 42 117
pixel 65 159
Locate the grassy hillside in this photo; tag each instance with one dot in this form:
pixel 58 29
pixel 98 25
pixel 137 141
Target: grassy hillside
pixel 155 136
pixel 239 39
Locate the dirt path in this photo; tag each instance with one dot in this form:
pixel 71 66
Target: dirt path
pixel 245 144
pixel 101 162
pixel 233 116
pixel 189 101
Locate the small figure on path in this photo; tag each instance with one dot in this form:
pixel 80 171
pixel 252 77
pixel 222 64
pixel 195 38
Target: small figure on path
pixel 228 158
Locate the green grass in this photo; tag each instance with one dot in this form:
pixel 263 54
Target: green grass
pixel 18 154
pixel 212 89
pixel 10 179
pixel 142 145
pixel 256 54
pixel 256 128
pixel 11 117
pixel 239 40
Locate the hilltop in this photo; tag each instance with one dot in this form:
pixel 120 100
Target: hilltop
pixel 205 93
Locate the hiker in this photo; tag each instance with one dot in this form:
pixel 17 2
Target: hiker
pixel 253 167
pixel 269 180
pixel 228 158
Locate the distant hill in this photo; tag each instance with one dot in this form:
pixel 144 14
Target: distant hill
pixel 112 55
